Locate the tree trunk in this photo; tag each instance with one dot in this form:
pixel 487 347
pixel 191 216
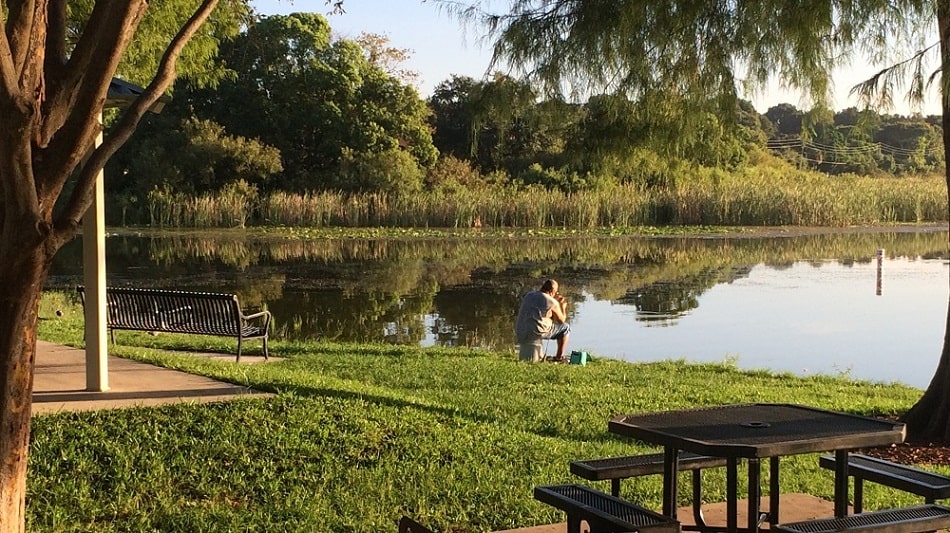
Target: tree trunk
pixel 929 418
pixel 22 276
pixel 49 108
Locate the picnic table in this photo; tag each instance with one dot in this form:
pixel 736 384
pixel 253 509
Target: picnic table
pixel 754 432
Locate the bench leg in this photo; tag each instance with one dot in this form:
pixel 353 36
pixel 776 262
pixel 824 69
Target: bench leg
pixel 265 348
pixel 615 487
pixel 238 359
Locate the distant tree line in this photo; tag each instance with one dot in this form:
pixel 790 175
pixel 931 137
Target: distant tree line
pixel 303 112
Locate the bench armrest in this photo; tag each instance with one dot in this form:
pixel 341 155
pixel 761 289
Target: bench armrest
pixel 262 314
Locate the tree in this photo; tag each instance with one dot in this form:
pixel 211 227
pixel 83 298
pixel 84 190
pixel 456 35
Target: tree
pixel 498 124
pixel 321 102
pixel 692 50
pixel 189 156
pixel 930 416
pixel 786 118
pixel 55 72
pixel 453 116
pixel 387 58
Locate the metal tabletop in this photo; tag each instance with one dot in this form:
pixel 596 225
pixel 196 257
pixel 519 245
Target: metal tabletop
pixel 753 432
pixel 758 430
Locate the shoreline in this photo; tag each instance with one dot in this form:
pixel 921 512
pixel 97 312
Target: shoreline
pixel 698 232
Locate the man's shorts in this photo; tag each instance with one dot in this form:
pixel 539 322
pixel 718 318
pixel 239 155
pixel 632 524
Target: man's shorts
pixel 557 331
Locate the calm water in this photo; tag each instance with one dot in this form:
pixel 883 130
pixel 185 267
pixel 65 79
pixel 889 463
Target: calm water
pixel 806 318
pixel 817 304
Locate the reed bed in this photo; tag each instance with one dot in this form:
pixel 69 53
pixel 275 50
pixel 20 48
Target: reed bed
pixel 759 196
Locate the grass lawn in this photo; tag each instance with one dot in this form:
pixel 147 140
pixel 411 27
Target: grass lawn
pixel 359 435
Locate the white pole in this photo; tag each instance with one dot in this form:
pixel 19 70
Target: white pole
pixel 94 278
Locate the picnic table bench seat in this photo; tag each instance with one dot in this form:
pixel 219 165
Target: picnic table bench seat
pixel 931 485
pixel 930 517
pixel 602 512
pixel 195 313
pixel 618 468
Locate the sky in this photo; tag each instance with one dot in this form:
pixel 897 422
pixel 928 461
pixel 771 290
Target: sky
pixel 441 46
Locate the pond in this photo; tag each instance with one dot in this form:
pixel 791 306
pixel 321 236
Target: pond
pixel 817 303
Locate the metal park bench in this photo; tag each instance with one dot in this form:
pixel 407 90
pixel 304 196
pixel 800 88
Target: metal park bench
pixel 195 313
pixel 930 485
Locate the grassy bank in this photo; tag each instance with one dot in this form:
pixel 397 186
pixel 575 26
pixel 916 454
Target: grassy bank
pixel 360 434
pixel 755 196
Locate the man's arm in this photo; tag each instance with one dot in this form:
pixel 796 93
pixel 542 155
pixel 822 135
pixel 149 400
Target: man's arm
pixel 559 311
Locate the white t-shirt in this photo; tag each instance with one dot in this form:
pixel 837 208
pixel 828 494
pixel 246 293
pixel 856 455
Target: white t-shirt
pixel 534 318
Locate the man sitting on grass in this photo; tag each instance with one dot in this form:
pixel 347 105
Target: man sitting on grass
pixel 543 315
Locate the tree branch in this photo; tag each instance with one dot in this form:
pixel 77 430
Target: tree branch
pixel 8 72
pixel 81 197
pixel 878 90
pixel 55 40
pixel 20 30
pixel 91 64
pixel 71 112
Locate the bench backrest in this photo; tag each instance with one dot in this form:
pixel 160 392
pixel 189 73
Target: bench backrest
pixel 172 311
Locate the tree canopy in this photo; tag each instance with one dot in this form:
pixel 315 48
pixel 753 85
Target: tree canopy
pixel 704 50
pixel 319 101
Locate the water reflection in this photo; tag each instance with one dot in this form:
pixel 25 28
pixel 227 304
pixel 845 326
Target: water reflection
pixel 634 298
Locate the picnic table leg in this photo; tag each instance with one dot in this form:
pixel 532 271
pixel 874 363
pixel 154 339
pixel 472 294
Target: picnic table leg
pixel 698 500
pixel 670 477
pixel 755 493
pixel 841 483
pixel 732 505
pixel 773 491
pixel 573 524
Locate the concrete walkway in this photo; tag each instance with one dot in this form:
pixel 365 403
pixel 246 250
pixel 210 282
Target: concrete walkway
pixel 59 383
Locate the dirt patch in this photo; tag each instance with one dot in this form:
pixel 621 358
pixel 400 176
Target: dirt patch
pixel 914 453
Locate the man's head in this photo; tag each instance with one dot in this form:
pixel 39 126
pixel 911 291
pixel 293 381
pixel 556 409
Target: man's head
pixel 549 286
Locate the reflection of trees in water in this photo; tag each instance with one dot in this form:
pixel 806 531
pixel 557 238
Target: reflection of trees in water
pixel 358 316
pixel 662 302
pixel 381 289
pixel 475 315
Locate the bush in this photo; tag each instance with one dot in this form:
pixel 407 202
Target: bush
pixel 450 174
pixel 393 171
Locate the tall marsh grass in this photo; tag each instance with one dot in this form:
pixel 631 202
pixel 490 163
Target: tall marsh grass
pixel 232 207
pixel 757 196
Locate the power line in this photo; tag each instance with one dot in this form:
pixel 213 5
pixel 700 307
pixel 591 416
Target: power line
pixel 849 150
